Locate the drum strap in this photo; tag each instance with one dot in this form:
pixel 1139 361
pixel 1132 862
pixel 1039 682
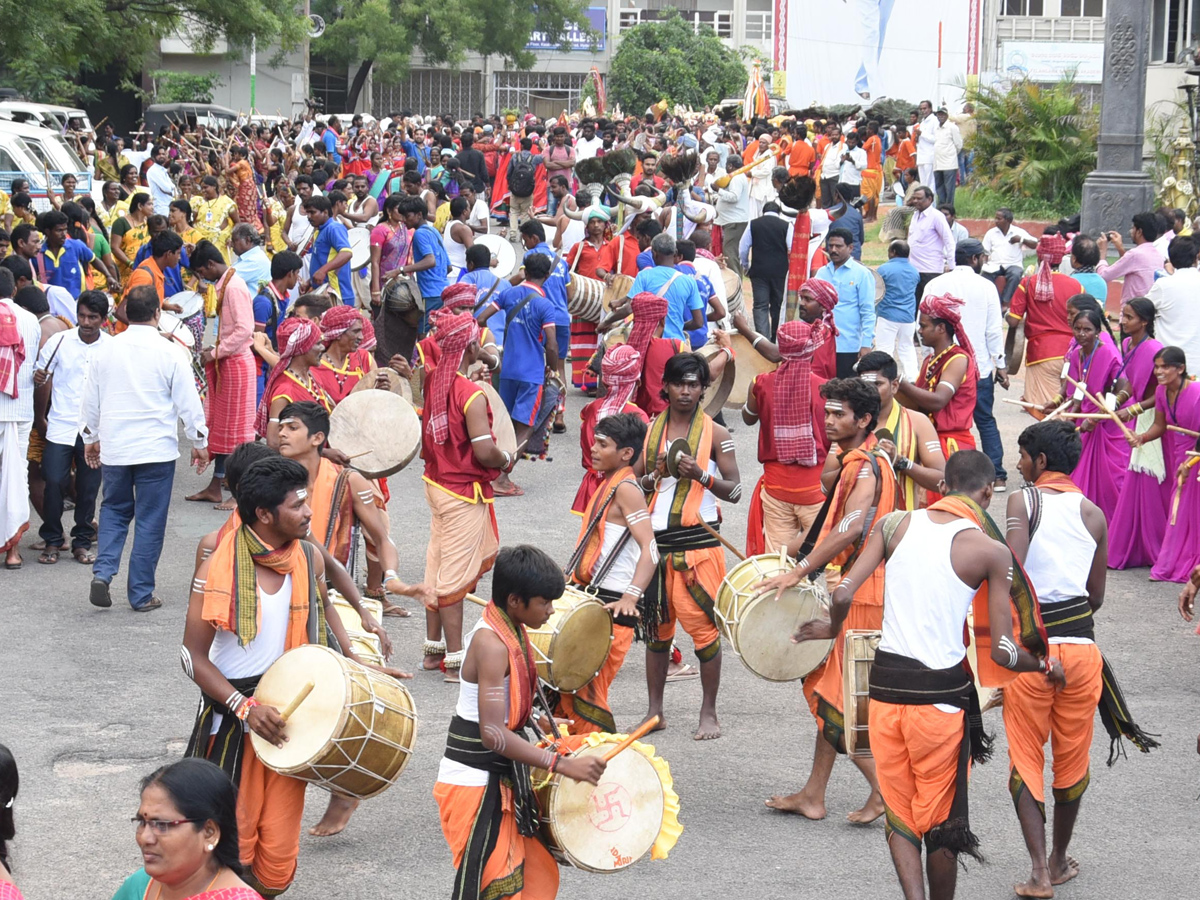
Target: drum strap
pixel 335 505
pixel 225 746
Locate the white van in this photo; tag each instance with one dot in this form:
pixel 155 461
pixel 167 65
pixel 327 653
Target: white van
pixel 56 118
pixel 28 151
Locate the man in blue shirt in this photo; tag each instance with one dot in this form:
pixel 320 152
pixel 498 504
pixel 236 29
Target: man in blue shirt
pixel 479 273
pixel 253 265
pixel 533 237
pixel 854 314
pixel 329 137
pixel 897 311
pixel 647 231
pixel 331 250
pixel 685 308
pixel 271 303
pixel 430 263
pixel 63 260
pixel 172 275
pixel 686 263
pixel 530 350
pixel 847 216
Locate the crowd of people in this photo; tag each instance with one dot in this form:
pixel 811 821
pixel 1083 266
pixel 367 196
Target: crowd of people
pixel 247 283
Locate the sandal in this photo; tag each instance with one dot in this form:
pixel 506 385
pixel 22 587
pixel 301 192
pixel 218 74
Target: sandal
pixel 49 556
pixel 393 609
pixel 84 555
pixel 688 671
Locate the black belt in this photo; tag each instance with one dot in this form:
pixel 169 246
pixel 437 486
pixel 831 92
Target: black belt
pixel 908 682
pixel 695 537
pixel 1069 618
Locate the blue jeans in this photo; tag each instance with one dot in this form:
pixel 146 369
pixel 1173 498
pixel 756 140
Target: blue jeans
pixel 56 469
pixel 142 493
pixel 989 434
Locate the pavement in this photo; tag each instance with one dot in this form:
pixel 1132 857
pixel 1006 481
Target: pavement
pixel 93 700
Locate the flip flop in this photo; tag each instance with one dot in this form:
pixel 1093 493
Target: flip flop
pixel 84 555
pixel 150 605
pixel 516 491
pixel 686 673
pixel 392 609
pixel 49 556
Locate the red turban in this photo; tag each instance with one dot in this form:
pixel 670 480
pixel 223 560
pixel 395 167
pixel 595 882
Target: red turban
pixel 950 309
pixel 455 334
pixel 648 312
pixel 620 371
pixel 295 336
pixel 825 294
pixel 791 399
pixel 460 296
pixel 1051 249
pixel 337 320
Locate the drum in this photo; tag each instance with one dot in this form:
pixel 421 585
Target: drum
pixel 759 628
pixel 572 646
pixel 1017 355
pixel 733 291
pixel 378 430
pixel 396 384
pixel 502 252
pixel 608 827
pixel 365 644
pixel 189 302
pixel 718 393
pixel 880 287
pixel 856 678
pixel 749 364
pixel 502 426
pixel 172 326
pixel 585 297
pixel 353 734
pixel 360 247
pixel 615 291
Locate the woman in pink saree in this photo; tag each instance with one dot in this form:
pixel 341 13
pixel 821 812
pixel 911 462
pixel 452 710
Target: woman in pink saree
pixel 1095 365
pixel 1177 402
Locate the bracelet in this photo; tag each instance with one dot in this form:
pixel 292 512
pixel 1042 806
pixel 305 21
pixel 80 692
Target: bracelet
pixel 390 574
pixel 244 710
pixel 729 352
pixel 1137 409
pixel 507 459
pixel 902 464
pixel 757 338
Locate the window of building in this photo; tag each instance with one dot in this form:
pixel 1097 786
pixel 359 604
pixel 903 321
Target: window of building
pixel 1022 7
pixel 1089 8
pixel 628 18
pixel 1174 28
pixel 758 26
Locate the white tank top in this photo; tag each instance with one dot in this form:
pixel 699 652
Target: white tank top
pixel 456 252
pixel 572 235
pixel 660 512
pixel 925 603
pixel 1060 555
pixel 621 573
pixel 450 771
pixel 236 661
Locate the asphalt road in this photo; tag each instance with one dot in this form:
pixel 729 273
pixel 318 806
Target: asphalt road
pixel 91 701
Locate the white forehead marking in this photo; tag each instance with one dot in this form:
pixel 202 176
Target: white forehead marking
pixel 302 493
pixel 833 406
pixel 870 378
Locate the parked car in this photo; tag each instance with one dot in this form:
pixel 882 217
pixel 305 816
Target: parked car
pixel 29 152
pixel 211 116
pixel 57 118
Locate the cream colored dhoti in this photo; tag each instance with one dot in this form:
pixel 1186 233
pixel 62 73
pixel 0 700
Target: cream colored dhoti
pixel 782 521
pixel 1042 381
pixel 463 543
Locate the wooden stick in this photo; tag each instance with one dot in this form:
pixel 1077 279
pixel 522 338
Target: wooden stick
pixel 1100 405
pixel 1085 415
pixel 360 453
pixel 1059 410
pixel 478 601
pixel 297 700
pixel 728 546
pixel 637 734
pixel 1187 431
pixel 1024 403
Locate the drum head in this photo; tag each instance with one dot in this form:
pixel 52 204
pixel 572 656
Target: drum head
pixel 1017 357
pixel 379 430
pixel 316 720
pixel 766 629
pixel 733 290
pixel 880 287
pixel 676 449
pixel 189 301
pixel 502 426
pixel 616 291
pixel 581 646
pixel 749 364
pixel 503 254
pixel 396 384
pixel 614 824
pixel 360 247
pixel 170 325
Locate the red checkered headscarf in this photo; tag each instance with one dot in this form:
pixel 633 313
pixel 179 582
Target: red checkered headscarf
pixel 620 371
pixel 368 339
pixel 950 309
pixel 791 399
pixel 460 296
pixel 648 312
pixel 336 321
pixel 1051 249
pixel 455 334
pixel 825 294
pixel 295 336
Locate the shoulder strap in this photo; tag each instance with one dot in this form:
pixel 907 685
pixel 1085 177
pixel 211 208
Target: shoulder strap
pixel 339 492
pixel 597 518
pixel 1035 508
pixel 889 524
pixel 512 313
pixel 666 287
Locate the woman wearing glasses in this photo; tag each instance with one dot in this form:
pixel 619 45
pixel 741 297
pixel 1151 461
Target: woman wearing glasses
pixel 8 793
pixel 186 828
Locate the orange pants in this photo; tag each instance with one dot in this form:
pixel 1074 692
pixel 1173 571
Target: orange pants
pixel 269 809
pixel 706 567
pixel 1034 712
pixel 515 856
pixel 916 758
pixel 588 707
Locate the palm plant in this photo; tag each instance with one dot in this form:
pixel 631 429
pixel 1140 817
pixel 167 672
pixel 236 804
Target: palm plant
pixel 1034 141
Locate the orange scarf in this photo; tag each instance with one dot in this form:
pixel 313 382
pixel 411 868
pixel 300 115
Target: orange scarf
pixel 1058 481
pixel 522 668
pixel 590 542
pixel 332 504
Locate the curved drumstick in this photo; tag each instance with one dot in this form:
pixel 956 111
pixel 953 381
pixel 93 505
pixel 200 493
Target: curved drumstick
pixel 297 700
pixel 640 732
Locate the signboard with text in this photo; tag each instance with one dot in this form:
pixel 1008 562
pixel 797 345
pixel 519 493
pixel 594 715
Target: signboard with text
pixel 578 38
pixel 1048 61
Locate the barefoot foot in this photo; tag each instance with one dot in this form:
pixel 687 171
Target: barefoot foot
pixel 800 804
pixel 710 728
pixel 661 726
pixel 871 810
pixel 1064 871
pixel 337 816
pixel 1035 887
pixel 209 495
pixel 432 661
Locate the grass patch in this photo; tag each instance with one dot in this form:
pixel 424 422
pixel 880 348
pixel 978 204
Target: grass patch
pixel 981 202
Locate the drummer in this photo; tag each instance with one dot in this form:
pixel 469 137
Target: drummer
pixel 344 363
pixel 290 379
pixel 270 307
pixel 361 207
pixel 479 273
pixel 457 298
pixel 166 248
pixel 865 491
pixel 816 301
pixel 582 260
pixel 237 627
pixel 616 556
pixel 485 799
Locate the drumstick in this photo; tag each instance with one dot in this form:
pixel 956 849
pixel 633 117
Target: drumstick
pixel 478 601
pixel 1096 401
pixel 1024 403
pixel 1059 409
pixel 297 700
pixel 732 549
pixel 1085 415
pixel 637 734
pixel 360 453
pixel 1187 431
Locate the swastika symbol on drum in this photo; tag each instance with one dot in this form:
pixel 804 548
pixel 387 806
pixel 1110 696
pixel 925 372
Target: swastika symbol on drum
pixel 611 807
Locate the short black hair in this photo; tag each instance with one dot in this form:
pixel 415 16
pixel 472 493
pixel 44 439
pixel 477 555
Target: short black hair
pixel 166 241
pixel 1085 250
pixel 1182 252
pixel 686 250
pixel 878 361
pixel 1148 224
pixel 284 263
pixel 94 301
pixel 315 302
pixel 141 303
pixel 680 366
pixel 947 209
pixel 19 267
pixel 411 206
pixel 314 416
pixel 266 484
pixel 32 298
pixel 21 233
pixel 899 248
pixel 968 471
pixel 479 256
pixel 204 253
pixel 51 219
pixel 537 264
pixel 533 228
pixel 649 229
pixel 319 203
pixel 626 430
pixel 862 399
pixel 458 206
pixel 526 572
pixel 843 233
pixel 1057 440
pixel 242 458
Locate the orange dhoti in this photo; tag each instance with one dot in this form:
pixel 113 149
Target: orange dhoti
pixel 519 867
pixel 270 807
pixel 463 542
pixel 698 574
pixel 872 184
pixel 916 750
pixel 1034 712
pixel 588 707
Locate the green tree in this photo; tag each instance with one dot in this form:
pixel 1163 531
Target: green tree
pixel 45 45
pixel 1034 141
pixel 382 35
pixel 668 59
pixel 184 87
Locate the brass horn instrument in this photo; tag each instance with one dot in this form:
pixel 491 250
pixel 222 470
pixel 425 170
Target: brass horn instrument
pixel 723 180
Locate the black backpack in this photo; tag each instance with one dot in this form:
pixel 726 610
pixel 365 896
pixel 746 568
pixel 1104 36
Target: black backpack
pixel 520 174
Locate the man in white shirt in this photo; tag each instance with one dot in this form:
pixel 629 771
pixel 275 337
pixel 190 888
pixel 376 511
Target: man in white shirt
pixel 854 161
pixel 61 370
pixel 1176 299
pixel 587 144
pixel 927 133
pixel 982 320
pixel 733 214
pixel 831 166
pixel 137 388
pixel 158 179
pixel 947 142
pixel 20 335
pixel 1004 245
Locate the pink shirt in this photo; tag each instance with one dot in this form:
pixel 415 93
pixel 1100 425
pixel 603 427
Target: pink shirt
pixel 1137 267
pixel 237 318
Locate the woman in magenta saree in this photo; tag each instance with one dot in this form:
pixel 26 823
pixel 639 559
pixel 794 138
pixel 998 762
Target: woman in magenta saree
pixel 1095 365
pixel 1178 403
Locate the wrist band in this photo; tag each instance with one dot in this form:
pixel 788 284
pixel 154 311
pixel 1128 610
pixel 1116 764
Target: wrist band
pixel 729 352
pixel 507 459
pixel 244 710
pixel 705 479
pixel 757 338
pixel 554 761
pixel 390 574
